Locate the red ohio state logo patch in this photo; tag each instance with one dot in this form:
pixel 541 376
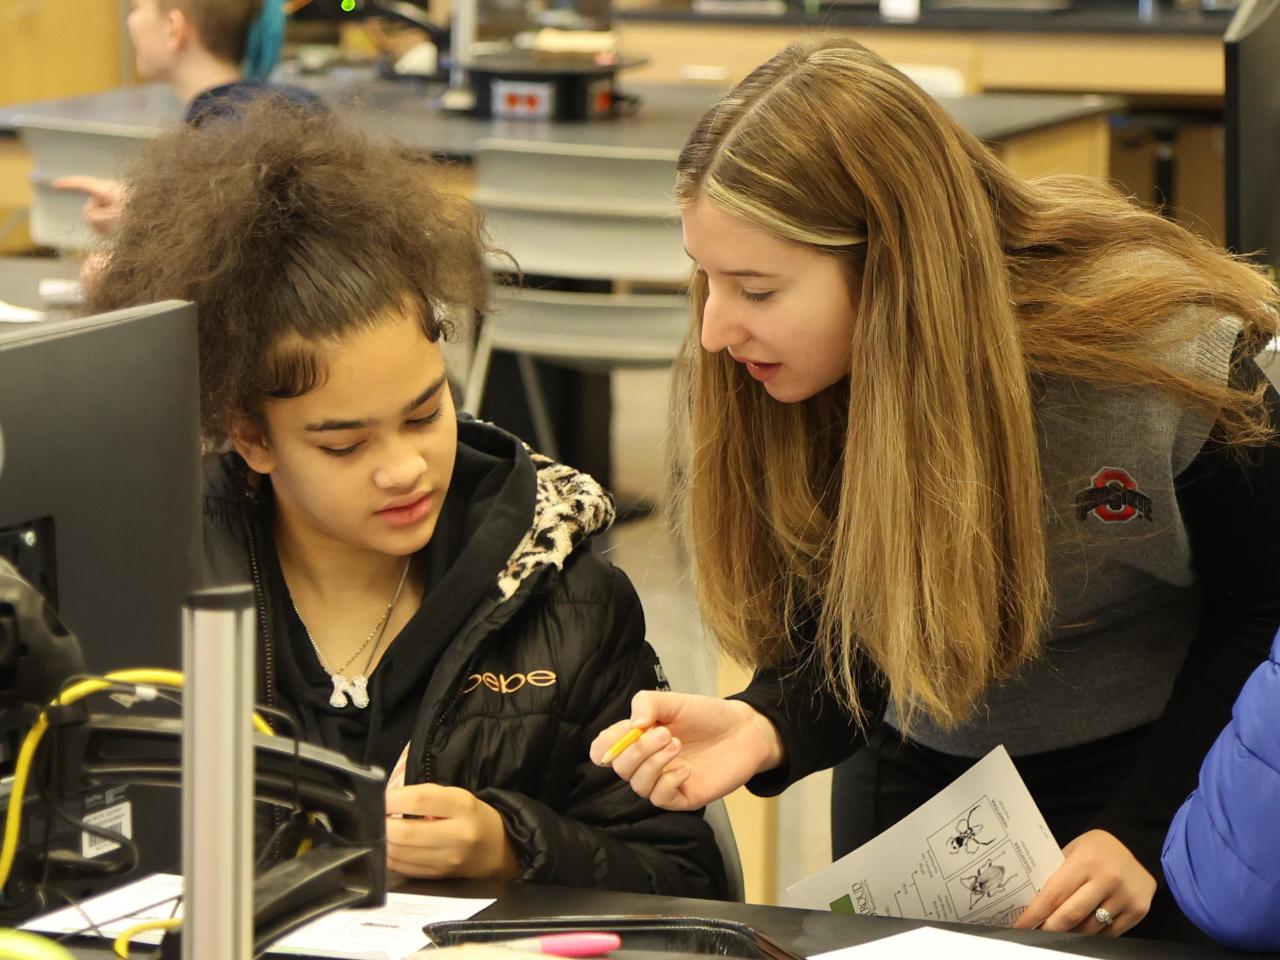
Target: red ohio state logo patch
pixel 1113 497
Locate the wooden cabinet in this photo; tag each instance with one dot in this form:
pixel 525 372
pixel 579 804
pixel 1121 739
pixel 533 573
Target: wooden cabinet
pixel 1178 66
pixel 58 48
pixel 49 49
pixel 15 195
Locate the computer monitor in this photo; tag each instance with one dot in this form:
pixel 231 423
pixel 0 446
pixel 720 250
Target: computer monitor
pixel 1252 120
pixel 100 495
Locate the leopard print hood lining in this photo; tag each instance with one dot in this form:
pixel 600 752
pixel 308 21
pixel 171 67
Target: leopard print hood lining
pixel 570 507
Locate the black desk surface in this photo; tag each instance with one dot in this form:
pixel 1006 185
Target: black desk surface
pixel 804 932
pixel 407 111
pixel 1083 16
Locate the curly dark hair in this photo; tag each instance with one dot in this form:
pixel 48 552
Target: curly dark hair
pixel 284 223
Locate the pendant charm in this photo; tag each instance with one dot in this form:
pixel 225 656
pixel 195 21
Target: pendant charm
pixel 359 690
pixel 340 687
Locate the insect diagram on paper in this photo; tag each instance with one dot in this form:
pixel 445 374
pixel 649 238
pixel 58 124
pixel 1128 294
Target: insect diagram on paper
pixel 975 853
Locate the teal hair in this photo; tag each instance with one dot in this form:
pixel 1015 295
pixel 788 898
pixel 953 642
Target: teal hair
pixel 266 37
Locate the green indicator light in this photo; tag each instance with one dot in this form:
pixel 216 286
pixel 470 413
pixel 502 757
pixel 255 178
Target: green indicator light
pixel 348 5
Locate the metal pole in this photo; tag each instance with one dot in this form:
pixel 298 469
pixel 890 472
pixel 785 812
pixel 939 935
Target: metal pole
pixel 217 774
pixel 461 40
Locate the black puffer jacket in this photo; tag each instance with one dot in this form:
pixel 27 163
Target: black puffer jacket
pixel 526 645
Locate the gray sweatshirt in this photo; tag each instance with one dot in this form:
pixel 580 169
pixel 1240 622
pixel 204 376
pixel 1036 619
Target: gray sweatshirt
pixel 1125 600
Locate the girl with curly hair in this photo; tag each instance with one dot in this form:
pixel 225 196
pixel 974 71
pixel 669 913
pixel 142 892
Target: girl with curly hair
pixel 427 597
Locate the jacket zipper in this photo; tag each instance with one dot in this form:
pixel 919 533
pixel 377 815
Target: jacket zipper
pixel 440 716
pixel 260 595
pixel 264 635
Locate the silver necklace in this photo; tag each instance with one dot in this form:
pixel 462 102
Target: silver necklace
pixel 358 686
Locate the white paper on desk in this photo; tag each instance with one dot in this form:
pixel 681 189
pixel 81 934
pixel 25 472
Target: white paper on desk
pixel 13 314
pixel 61 292
pixel 928 943
pixel 390 932
pixel 977 852
pixel 151 898
pixel 377 933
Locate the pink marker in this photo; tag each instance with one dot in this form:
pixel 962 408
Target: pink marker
pixel 566 944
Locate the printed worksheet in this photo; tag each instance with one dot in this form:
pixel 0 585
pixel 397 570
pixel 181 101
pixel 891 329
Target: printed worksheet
pixel 975 853
pixel 926 943
pixel 389 932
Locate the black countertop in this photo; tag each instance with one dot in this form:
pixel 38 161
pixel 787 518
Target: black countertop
pixel 1083 16
pixel 803 932
pixel 407 112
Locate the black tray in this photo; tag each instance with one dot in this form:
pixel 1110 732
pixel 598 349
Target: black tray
pixel 670 938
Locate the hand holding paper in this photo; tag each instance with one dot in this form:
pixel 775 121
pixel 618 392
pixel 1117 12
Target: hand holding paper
pixel 1099 872
pixel 446 832
pixel 978 852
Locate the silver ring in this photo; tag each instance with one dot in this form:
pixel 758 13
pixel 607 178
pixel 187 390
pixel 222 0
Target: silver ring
pixel 1103 916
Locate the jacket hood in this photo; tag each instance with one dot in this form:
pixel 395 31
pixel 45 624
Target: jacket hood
pixel 569 508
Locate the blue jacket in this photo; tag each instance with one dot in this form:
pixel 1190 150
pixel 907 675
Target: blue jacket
pixel 1222 856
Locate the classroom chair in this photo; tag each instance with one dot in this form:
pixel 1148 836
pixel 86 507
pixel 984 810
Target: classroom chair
pixel 717 815
pixel 579 213
pixel 70 147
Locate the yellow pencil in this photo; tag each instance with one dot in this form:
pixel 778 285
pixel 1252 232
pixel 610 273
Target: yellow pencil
pixel 626 740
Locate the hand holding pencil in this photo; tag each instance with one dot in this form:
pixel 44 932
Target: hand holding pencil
pixel 682 751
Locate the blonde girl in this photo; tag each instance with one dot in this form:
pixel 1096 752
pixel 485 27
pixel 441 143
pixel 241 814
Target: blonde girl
pixel 964 461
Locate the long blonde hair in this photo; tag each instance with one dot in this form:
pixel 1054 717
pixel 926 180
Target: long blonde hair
pixel 899 517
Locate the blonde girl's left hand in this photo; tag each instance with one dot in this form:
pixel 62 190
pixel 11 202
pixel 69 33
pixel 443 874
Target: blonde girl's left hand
pixel 446 832
pixel 1099 872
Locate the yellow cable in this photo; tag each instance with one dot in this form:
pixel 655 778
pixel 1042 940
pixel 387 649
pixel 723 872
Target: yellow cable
pixel 26 754
pixel 19 945
pixel 121 945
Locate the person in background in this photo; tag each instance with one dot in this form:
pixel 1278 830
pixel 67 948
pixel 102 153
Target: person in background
pixel 966 461
pixel 1222 855
pixel 409 51
pixel 429 601
pixel 215 55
